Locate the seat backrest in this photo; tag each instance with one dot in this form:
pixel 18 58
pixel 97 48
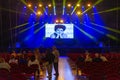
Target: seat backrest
pixel 4 72
pixel 34 67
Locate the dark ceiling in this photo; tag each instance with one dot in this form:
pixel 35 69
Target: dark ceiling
pixel 17 4
pixel 110 18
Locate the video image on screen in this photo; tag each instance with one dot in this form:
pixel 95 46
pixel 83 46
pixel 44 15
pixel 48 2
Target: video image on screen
pixel 59 31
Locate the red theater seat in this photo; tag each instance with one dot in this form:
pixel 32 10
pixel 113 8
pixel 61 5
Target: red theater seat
pixel 4 74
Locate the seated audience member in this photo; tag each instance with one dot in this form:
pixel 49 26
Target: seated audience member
pixel 33 61
pixel 80 59
pixel 97 58
pixel 14 53
pixel 22 59
pixel 4 65
pixel 13 60
pixel 24 52
pixel 103 58
pixel 88 58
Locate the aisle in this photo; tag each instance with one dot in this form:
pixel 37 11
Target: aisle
pixel 65 72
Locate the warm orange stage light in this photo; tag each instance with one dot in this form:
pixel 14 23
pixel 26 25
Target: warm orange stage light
pixel 29 5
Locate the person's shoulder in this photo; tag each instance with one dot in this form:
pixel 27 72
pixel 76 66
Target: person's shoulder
pixel 52 35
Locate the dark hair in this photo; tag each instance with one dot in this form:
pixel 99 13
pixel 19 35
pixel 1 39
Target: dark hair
pixel 60 26
pixel 48 50
pixel 32 58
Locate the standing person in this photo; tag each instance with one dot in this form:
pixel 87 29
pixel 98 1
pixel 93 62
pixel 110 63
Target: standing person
pixel 37 54
pixel 49 59
pixel 38 57
pixel 56 60
pixel 34 61
pixel 13 60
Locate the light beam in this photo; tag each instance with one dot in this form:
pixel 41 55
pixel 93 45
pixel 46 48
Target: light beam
pixel 107 28
pixel 28 28
pixel 87 34
pixel 54 8
pixel 103 33
pixel 19 26
pixel 99 1
pixel 75 7
pixel 109 10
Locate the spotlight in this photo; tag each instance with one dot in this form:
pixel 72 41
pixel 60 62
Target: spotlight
pixel 78 13
pixel 35 6
pixel 83 7
pixel 46 7
pixel 29 5
pixel 56 21
pixel 39 13
pixel 72 7
pixel 78 5
pixel 89 5
pixel 24 6
pixel 49 5
pixel 61 21
pixel 69 5
pixel 40 5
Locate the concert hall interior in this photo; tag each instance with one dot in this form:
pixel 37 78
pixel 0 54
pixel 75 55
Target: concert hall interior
pixel 75 27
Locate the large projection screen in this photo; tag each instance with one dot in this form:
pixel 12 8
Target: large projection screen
pixel 56 31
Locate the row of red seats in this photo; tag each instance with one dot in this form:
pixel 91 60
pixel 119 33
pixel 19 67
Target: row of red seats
pixel 18 72
pixel 99 70
pixel 109 56
pixel 7 56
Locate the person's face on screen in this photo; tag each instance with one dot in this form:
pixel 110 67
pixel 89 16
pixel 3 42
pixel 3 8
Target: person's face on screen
pixel 59 31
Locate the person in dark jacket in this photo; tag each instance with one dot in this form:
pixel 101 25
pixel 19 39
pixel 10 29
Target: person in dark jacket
pixel 56 53
pixel 80 59
pixel 97 58
pixel 49 59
